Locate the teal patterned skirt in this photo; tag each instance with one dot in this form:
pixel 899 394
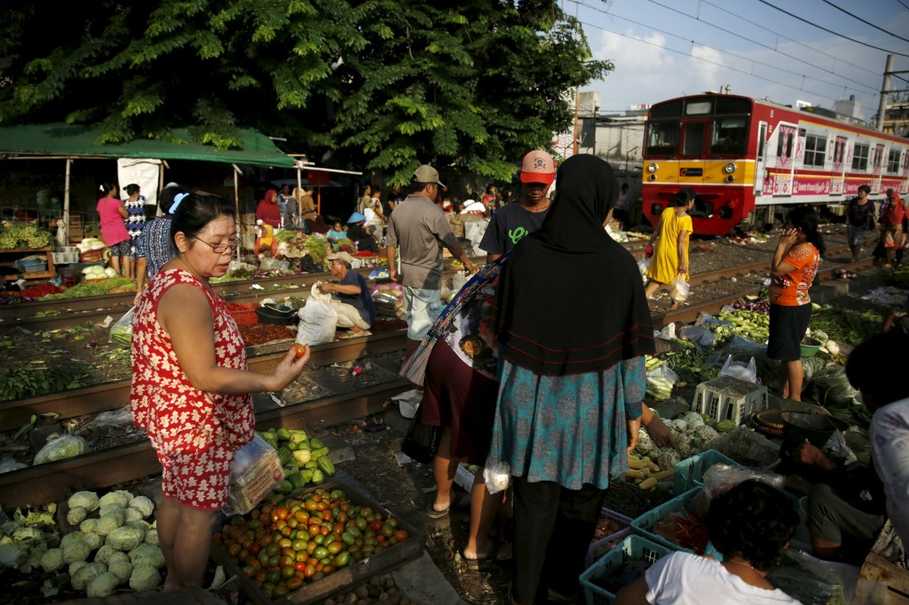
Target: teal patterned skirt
pixel 567 429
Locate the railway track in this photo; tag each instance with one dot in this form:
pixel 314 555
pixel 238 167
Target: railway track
pixel 113 395
pixel 55 481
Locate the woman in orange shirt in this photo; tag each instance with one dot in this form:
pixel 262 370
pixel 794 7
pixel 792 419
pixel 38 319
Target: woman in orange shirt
pixel 792 272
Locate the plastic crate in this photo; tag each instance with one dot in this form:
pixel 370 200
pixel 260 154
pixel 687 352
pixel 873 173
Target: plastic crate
pixel 599 547
pixel 644 524
pixel 727 398
pixel 689 473
pixel 632 548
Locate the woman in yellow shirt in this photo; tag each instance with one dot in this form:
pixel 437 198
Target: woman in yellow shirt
pixel 671 234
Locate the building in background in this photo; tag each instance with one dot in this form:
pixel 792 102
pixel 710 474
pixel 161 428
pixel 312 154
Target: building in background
pixel 849 108
pixel 896 117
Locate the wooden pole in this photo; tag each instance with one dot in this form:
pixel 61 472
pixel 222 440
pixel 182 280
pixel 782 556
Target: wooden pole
pixel 237 209
pixel 69 163
pixel 319 201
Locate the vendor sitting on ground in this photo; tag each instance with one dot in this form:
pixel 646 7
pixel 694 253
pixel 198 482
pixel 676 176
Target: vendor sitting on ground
pixel 354 304
pixel 749 525
pixel 363 237
pixel 846 505
pixel 337 232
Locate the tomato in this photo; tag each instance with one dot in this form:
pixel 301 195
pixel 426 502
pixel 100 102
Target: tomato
pixel 335 547
pixel 299 545
pixel 380 539
pixel 326 515
pixel 260 577
pixel 274 577
pixel 299 350
pixel 328 569
pixel 287 531
pixel 376 526
pixel 233 550
pixel 292 523
pixel 320 553
pixel 301 516
pixel 301 556
pixel 310 570
pixel 288 572
pixel 400 535
pixel 294 583
pixel 285 542
pixel 311 547
pixel 324 530
pixel 388 531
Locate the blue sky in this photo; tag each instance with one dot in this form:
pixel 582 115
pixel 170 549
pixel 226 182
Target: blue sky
pixel 645 73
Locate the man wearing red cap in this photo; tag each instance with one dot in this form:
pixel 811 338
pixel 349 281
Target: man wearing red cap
pixel 513 222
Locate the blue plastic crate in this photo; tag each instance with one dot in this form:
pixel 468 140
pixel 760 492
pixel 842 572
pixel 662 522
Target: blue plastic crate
pixel 632 548
pixel 644 524
pixel 689 473
pixel 600 547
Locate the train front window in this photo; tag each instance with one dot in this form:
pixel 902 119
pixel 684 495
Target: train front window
pixel 662 137
pixel 730 135
pixel 694 139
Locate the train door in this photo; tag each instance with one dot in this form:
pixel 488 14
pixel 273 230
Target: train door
pixel 695 142
pixel 781 181
pixel 838 182
pixel 877 162
pixel 761 161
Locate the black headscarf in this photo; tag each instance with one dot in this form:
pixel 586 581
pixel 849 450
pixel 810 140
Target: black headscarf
pixel 572 300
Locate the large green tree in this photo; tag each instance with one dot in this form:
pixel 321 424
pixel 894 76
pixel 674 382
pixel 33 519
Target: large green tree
pixel 385 84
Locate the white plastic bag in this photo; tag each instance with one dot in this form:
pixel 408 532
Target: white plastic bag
pixel 680 290
pixel 699 334
pixel 60 448
pixel 660 382
pixel 643 266
pixel 318 319
pixel 254 472
pixel 497 477
pixel 720 478
pixel 734 369
pixel 122 330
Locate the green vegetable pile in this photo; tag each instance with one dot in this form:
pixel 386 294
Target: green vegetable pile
pixel 304 460
pixel 35 378
pixel 23 235
pixel 844 325
pixel 100 287
pixel 317 248
pixel 690 363
pixel 753 325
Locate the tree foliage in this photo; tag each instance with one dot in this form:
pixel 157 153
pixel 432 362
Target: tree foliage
pixel 385 84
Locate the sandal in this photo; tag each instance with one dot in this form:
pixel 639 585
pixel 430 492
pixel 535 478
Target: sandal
pixel 435 515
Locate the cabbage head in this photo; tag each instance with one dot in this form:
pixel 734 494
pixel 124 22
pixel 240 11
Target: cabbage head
pixel 108 523
pixel 86 500
pixel 86 574
pixel 102 586
pixel 77 515
pixel 125 538
pixel 119 498
pixel 143 505
pixel 105 553
pixel 120 565
pixel 52 560
pixel 147 553
pixel 88 526
pixel 144 577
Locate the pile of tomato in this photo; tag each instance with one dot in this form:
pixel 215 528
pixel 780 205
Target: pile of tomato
pixel 291 540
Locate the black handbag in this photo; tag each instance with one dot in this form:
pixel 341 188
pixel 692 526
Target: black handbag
pixel 422 441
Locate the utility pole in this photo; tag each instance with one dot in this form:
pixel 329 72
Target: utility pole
pixel 885 87
pixel 575 135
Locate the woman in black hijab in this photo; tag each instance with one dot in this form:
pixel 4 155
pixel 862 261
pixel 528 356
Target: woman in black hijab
pixel 574 326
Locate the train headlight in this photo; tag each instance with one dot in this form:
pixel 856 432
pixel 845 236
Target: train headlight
pixel 729 168
pixel 651 168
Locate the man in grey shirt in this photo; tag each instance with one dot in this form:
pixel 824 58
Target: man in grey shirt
pixel 419 228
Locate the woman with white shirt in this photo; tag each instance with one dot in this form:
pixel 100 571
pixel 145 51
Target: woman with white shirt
pixel 749 525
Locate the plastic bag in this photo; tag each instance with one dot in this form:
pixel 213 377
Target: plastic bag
pixel 114 418
pixel 9 464
pixel 122 330
pixel 734 369
pixel 812 581
pixel 318 319
pixel 497 477
pixel 720 478
pixel 254 471
pixel 837 447
pixel 698 334
pixel 60 448
pixel 660 382
pixel 680 290
pixel 746 447
pixel 643 266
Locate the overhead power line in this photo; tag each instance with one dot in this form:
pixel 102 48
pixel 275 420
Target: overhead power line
pixel 725 51
pixel 792 40
pixel 865 21
pixel 903 3
pixel 704 60
pixel 720 50
pixel 758 43
pixel 830 31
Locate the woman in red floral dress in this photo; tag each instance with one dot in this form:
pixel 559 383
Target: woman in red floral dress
pixel 190 390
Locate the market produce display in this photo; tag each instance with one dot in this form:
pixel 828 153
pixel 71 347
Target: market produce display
pixel 291 540
pixel 753 325
pixel 96 287
pixel 23 235
pixel 685 529
pixel 305 461
pixel 649 464
pixel 110 546
pixel 262 333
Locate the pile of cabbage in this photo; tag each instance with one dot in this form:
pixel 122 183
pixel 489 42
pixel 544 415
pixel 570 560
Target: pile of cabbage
pixel 690 435
pixel 114 545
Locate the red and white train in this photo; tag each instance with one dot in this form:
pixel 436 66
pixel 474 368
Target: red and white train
pixel 738 154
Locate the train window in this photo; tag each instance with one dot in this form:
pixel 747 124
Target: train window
pixel 815 150
pixel 893 161
pixel 697 108
pixel 728 105
pixel 671 109
pixel 729 136
pixel 662 137
pixel 878 155
pixel 860 157
pixel 694 139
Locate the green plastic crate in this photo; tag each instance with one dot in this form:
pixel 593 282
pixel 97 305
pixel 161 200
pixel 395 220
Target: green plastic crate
pixel 645 523
pixel 689 473
pixel 632 548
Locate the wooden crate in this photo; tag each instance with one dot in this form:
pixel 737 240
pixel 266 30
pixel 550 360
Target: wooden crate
pixel 882 583
pixel 343 579
pixel 22 252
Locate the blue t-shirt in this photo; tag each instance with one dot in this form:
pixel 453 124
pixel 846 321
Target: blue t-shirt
pixel 362 301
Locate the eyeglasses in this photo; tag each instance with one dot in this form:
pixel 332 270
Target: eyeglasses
pixel 227 248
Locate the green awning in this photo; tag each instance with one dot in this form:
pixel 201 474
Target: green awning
pixel 73 141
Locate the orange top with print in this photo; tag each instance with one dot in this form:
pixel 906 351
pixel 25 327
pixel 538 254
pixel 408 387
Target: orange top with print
pixel 791 290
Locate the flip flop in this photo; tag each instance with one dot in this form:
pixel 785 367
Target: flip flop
pixel 435 515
